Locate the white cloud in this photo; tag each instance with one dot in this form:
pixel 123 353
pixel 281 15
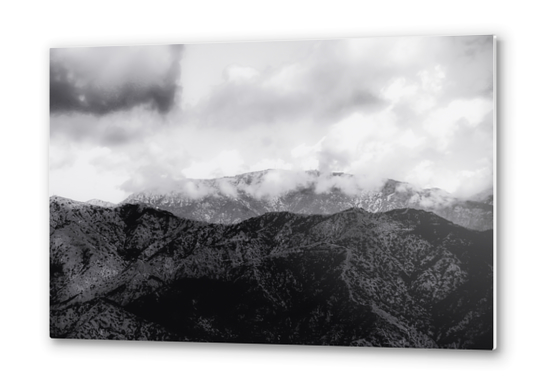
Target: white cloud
pixel 82 181
pixel 443 122
pixel 226 188
pixel 270 164
pixel 432 79
pixel 226 163
pixel 399 89
pixel 305 156
pixel 240 73
pixel 286 79
pixel 422 174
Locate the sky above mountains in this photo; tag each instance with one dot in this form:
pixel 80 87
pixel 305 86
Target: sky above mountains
pixel 125 119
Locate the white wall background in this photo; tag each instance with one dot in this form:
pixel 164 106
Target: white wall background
pixel 28 30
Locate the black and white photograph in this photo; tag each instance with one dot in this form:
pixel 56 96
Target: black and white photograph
pixel 333 192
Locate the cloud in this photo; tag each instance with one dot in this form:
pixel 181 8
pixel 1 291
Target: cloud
pixel 225 163
pixel 272 164
pixel 320 89
pixel 412 109
pixel 114 130
pixel 443 122
pixel 276 183
pixel 102 80
pixel 338 78
pixel 431 199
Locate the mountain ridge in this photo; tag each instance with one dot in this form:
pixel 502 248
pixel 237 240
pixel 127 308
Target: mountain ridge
pixel 273 278
pixel 235 198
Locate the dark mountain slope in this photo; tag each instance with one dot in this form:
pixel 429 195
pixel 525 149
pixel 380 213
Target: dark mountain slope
pixel 402 278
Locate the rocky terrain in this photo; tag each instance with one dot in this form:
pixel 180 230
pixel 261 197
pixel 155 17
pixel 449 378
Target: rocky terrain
pixel 402 278
pixel 231 200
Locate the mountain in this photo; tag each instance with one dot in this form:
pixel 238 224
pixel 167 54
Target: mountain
pixel 402 278
pixel 231 200
pixel 485 196
pixel 101 203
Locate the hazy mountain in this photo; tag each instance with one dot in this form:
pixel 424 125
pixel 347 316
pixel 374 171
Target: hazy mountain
pixel 234 199
pixel 485 196
pixel 403 278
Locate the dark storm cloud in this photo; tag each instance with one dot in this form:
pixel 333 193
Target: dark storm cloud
pixel 103 80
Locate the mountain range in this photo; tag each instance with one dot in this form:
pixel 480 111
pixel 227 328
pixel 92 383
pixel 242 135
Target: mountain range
pixel 390 277
pixel 230 200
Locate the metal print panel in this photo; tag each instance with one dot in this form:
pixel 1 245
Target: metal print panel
pixel 335 192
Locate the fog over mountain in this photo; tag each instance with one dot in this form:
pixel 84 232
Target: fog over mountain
pixel 233 199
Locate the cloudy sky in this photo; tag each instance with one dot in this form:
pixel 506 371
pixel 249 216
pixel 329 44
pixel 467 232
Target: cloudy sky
pixel 126 119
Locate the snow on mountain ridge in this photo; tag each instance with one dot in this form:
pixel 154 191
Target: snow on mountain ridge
pixel 233 199
pixel 269 183
pixel 273 185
